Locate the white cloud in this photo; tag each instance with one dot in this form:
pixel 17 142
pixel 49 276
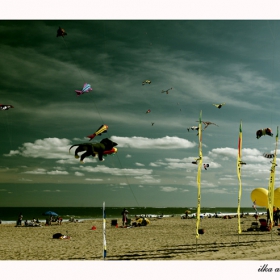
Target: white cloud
pixel 115 171
pixel 36 171
pixel 78 174
pixel 139 164
pixel 57 172
pixel 94 180
pixel 166 142
pixel 25 180
pixel 168 189
pixel 49 148
pixel 40 171
pixel 148 179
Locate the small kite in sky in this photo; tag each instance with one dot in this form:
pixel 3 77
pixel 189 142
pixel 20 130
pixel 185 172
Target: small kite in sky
pixel 268 155
pixel 60 32
pixel 207 123
pixel 163 91
pixel 106 146
pixel 193 128
pixel 153 123
pixel 205 165
pixel 5 107
pixel 146 82
pixel 102 129
pixel 219 106
pixel 262 132
pixel 148 111
pixel 86 88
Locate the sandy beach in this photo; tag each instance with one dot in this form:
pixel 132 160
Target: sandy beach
pixel 163 239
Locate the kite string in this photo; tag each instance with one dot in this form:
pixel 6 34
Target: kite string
pixel 127 181
pixel 103 123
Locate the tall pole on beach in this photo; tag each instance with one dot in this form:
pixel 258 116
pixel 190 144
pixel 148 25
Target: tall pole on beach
pixel 270 194
pixel 198 177
pixel 239 164
pixel 104 232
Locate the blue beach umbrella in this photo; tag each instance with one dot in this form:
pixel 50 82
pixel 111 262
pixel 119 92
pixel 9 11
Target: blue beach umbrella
pixel 50 213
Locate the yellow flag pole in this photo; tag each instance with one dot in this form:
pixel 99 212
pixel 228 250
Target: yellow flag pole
pixel 198 177
pixel 238 167
pixel 271 184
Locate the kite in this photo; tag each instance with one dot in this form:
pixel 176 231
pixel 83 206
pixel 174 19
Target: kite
pixel 105 147
pixel 60 32
pixel 219 106
pixel 86 88
pixel 5 107
pixel 146 82
pixel 163 91
pixel 268 155
pixel 207 123
pixel 205 165
pixel 148 111
pixel 193 128
pixel 265 131
pixel 153 123
pixel 102 129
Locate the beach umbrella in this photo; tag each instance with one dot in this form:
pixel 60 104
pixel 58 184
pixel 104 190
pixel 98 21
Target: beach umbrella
pixel 50 213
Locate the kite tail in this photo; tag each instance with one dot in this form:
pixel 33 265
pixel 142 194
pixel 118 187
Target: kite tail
pixel 79 92
pixel 91 136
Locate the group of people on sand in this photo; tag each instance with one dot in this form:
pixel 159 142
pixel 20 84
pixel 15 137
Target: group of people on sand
pixel 33 223
pixel 139 221
pixel 276 215
pixel 52 219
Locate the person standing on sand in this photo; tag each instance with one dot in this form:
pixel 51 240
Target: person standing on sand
pixel 124 216
pixel 20 217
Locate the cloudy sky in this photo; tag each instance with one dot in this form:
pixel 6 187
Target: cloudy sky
pixel 204 62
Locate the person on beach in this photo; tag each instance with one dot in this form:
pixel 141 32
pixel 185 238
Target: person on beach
pixel 277 216
pixel 19 220
pixel 59 220
pixel 124 216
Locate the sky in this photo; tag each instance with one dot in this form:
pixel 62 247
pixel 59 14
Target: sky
pixel 204 61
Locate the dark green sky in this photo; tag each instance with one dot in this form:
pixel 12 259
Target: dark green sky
pixel 205 62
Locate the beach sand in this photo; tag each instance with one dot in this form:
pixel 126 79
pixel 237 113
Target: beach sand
pixel 169 238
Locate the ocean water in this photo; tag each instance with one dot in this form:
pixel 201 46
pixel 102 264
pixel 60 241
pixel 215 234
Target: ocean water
pixel 10 214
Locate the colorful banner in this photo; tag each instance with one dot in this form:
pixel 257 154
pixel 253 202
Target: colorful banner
pixel 199 174
pixel 239 164
pixel 271 183
pixel 104 232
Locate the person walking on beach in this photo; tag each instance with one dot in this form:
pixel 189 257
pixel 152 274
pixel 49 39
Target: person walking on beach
pixel 124 216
